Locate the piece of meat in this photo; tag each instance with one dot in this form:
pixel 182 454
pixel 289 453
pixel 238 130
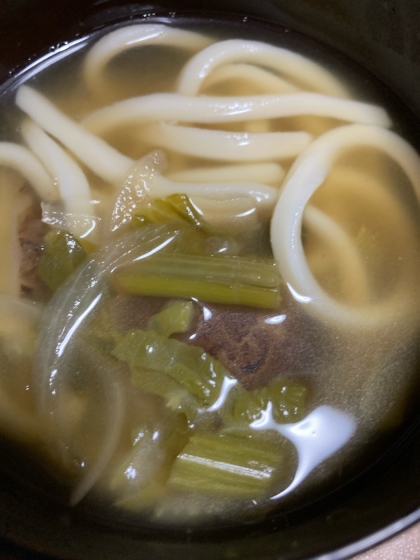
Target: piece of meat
pixel 254 345
pixel 31 231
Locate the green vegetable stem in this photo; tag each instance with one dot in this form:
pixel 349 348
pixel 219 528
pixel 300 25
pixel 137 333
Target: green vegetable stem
pixel 226 465
pixel 213 279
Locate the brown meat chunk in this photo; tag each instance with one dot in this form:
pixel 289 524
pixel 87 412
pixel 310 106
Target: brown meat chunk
pixel 256 345
pixel 241 340
pixel 31 231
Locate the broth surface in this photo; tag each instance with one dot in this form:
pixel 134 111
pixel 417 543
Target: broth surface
pixel 105 417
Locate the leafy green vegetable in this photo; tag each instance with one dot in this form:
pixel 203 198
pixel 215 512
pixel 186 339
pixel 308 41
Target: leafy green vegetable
pixel 287 400
pixel 176 318
pixel 62 254
pixel 189 367
pixel 226 465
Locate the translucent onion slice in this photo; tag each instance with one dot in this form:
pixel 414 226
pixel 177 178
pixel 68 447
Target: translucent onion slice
pixel 115 398
pixel 74 304
pixel 146 180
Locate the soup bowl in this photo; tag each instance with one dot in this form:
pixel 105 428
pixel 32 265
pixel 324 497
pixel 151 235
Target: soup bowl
pixel 382 500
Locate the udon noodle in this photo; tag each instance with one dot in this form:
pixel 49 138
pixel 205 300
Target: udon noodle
pixel 172 221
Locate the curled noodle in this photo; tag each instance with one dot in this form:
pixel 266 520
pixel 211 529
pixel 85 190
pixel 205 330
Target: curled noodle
pixel 134 36
pixel 305 176
pixel 295 66
pixel 261 80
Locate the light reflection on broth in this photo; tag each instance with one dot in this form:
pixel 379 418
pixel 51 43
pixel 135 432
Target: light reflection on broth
pixel 218 311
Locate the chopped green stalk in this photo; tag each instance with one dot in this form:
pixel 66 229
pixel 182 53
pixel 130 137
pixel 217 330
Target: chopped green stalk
pixel 176 318
pixel 219 269
pixel 211 292
pixel 226 465
pixel 194 370
pixel 287 398
pixel 214 279
pixel 62 255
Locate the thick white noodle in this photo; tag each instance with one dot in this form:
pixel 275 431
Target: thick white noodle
pixel 223 145
pixel 135 36
pixel 293 66
pixel 94 152
pixel 266 173
pixel 22 160
pixel 208 109
pixel 343 250
pixel 262 80
pixel 72 183
pixel 305 176
pixel 262 194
